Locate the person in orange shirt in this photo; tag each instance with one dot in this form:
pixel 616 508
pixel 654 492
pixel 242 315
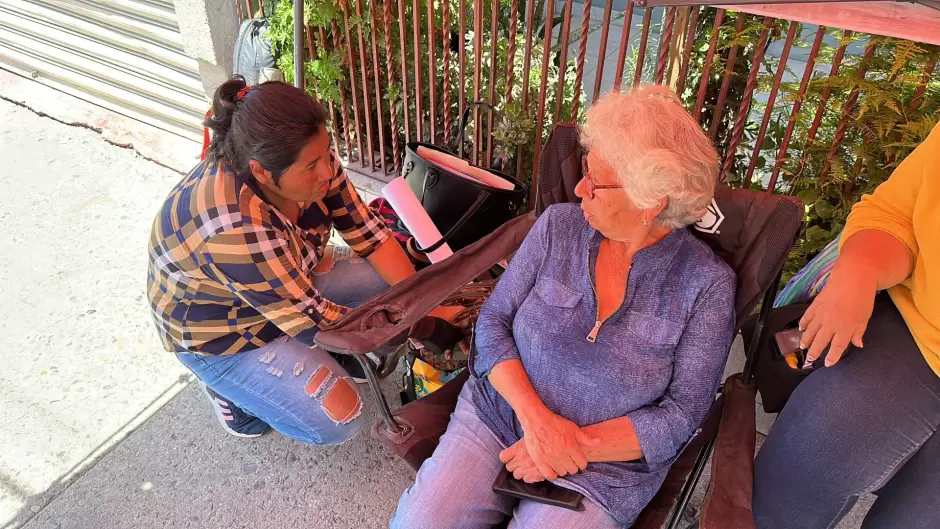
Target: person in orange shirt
pixel 868 420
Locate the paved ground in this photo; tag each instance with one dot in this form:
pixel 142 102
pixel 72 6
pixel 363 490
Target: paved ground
pixel 102 430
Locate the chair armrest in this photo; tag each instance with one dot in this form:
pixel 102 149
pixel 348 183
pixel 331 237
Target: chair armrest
pixel 728 502
pixel 385 321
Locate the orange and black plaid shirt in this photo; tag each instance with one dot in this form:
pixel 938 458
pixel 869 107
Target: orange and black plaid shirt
pixel 229 273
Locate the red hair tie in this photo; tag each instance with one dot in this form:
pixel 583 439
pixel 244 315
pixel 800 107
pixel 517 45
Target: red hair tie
pixel 242 93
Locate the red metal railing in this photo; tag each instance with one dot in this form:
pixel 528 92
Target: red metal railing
pixel 761 86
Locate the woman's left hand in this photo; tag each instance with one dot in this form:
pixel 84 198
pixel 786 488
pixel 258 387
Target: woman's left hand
pixel 554 443
pixel 517 460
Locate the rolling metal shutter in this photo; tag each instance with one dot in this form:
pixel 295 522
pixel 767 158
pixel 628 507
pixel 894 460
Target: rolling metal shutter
pixel 125 55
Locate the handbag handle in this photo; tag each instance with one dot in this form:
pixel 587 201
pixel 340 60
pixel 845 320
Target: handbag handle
pixel 463 123
pixel 481 198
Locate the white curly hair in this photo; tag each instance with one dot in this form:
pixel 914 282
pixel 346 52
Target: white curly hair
pixel 656 149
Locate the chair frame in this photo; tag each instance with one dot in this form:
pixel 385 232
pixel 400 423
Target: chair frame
pixel 395 428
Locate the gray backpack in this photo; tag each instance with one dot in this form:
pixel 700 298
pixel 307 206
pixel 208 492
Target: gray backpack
pixel 254 58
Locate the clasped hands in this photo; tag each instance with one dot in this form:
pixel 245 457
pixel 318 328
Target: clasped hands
pixel 551 447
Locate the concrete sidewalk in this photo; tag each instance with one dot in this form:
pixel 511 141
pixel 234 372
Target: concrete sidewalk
pixel 104 430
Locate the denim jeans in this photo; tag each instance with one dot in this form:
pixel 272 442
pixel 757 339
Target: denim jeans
pixel 454 488
pixel 867 424
pixel 299 391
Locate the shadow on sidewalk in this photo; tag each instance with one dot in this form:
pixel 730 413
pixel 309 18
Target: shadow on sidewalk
pixel 180 469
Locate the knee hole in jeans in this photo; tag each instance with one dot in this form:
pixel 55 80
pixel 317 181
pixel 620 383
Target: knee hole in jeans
pixel 337 395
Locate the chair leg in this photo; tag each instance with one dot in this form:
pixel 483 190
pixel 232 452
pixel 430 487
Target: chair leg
pixel 408 394
pixel 766 306
pixel 373 380
pixel 691 483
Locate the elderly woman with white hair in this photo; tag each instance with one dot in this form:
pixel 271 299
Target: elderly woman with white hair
pixel 600 350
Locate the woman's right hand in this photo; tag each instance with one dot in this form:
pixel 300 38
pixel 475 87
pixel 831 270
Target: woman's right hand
pixel 839 315
pixel 555 443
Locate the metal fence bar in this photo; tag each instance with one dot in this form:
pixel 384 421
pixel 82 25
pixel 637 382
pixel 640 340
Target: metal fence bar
pixel 462 57
pixel 238 10
pixel 582 51
pixel 511 53
pixel 299 77
pixel 477 65
pixel 405 107
pixel 260 7
pixel 363 70
pixel 445 82
pixel 624 41
pixel 325 44
pixel 491 97
pixel 707 67
pixel 432 74
pixel 644 39
pixel 416 27
pixel 380 121
pixel 847 110
pixel 311 54
pixel 726 82
pixel 312 49
pixel 602 50
pixel 539 116
pixel 771 99
pixel 795 111
pixel 922 86
pixel 390 77
pixel 744 107
pixel 823 100
pixel 687 52
pixel 251 13
pixel 563 60
pixel 352 82
pixel 664 41
pixel 526 64
pixel 342 96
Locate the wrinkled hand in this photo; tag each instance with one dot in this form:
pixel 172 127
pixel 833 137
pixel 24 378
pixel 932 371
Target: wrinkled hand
pixel 555 444
pixel 517 460
pixel 838 316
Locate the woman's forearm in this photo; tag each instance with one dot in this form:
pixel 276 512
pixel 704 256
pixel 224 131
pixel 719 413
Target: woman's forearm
pixel 510 380
pixel 618 441
pixel 876 257
pixel 391 262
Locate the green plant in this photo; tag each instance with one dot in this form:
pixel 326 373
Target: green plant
pixel 336 67
pixel 881 129
pixel 829 176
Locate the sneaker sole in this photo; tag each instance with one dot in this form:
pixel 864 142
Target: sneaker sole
pixel 218 415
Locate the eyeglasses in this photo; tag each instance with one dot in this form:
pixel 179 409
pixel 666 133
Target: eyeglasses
pixel 591 186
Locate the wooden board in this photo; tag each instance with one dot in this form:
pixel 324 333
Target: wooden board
pixel 901 20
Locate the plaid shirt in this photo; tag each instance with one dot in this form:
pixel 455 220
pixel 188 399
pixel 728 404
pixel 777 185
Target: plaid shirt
pixel 229 273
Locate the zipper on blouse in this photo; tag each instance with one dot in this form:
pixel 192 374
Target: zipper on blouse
pixel 592 336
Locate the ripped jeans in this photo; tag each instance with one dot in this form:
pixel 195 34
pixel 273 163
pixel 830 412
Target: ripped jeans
pixel 299 391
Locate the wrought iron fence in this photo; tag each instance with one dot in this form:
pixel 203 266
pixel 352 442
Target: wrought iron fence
pixel 816 111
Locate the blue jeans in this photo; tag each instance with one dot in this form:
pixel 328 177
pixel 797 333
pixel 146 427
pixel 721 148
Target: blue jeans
pixel 867 424
pixel 454 488
pixel 299 391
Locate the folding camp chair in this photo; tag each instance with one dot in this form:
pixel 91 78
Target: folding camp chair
pixel 751 231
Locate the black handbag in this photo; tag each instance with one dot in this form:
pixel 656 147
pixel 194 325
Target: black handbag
pixel 463 210
pixel 776 380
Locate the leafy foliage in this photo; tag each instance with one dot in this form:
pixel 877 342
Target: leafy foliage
pixel 829 164
pixel 883 126
pixel 329 75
